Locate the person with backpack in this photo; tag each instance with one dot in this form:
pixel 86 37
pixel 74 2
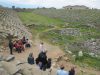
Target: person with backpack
pixel 43 59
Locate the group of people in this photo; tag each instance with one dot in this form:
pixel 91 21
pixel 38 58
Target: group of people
pixel 19 45
pixel 41 61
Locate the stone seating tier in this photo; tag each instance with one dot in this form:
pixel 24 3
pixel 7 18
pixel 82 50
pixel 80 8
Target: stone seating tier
pixel 10 23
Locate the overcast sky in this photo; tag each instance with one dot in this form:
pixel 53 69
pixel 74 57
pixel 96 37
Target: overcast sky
pixel 49 3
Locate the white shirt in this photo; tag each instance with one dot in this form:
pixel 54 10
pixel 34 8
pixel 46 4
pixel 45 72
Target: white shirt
pixel 42 48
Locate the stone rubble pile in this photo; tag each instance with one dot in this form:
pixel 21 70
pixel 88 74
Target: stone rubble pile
pixel 93 45
pixel 70 31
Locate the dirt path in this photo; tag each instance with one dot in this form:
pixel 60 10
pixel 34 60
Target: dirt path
pixel 52 51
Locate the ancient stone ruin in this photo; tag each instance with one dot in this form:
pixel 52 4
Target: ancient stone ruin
pixel 70 31
pixel 10 24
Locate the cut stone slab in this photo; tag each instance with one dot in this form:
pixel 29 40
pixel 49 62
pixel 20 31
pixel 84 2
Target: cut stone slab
pixel 20 62
pixel 1 57
pixel 18 74
pixel 26 72
pixel 3 72
pixel 10 58
pixel 10 68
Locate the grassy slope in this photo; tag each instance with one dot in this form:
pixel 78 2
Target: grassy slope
pixel 31 18
pixel 79 17
pixel 75 19
pixel 42 23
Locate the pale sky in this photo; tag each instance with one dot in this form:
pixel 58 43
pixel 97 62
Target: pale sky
pixel 49 3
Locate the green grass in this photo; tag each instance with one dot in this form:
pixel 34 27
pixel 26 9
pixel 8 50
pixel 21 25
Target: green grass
pixel 90 61
pixel 31 18
pixel 54 37
pixel 88 33
pixel 80 17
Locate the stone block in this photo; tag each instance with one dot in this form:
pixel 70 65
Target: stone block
pixel 26 72
pixel 18 74
pixel 10 58
pixel 3 72
pixel 1 57
pixel 10 68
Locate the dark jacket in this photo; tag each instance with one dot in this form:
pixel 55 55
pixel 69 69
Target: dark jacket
pixel 30 60
pixel 10 44
pixel 72 72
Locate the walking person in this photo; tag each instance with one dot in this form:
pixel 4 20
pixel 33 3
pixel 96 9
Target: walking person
pixel 11 46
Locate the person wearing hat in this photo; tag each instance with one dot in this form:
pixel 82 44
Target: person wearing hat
pixel 61 71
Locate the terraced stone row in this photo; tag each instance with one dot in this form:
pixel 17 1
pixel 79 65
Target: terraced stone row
pixel 11 24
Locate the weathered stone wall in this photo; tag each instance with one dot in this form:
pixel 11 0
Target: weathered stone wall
pixel 76 7
pixel 11 24
pixel 93 45
pixel 70 31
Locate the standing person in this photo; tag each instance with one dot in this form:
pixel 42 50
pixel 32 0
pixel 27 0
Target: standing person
pixel 42 57
pixel 44 61
pixel 72 71
pixel 42 47
pixel 62 71
pixel 23 40
pixel 11 46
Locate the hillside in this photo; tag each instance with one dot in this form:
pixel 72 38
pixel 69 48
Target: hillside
pixel 79 27
pixel 79 31
pixel 72 30
pixel 88 17
pixel 11 26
